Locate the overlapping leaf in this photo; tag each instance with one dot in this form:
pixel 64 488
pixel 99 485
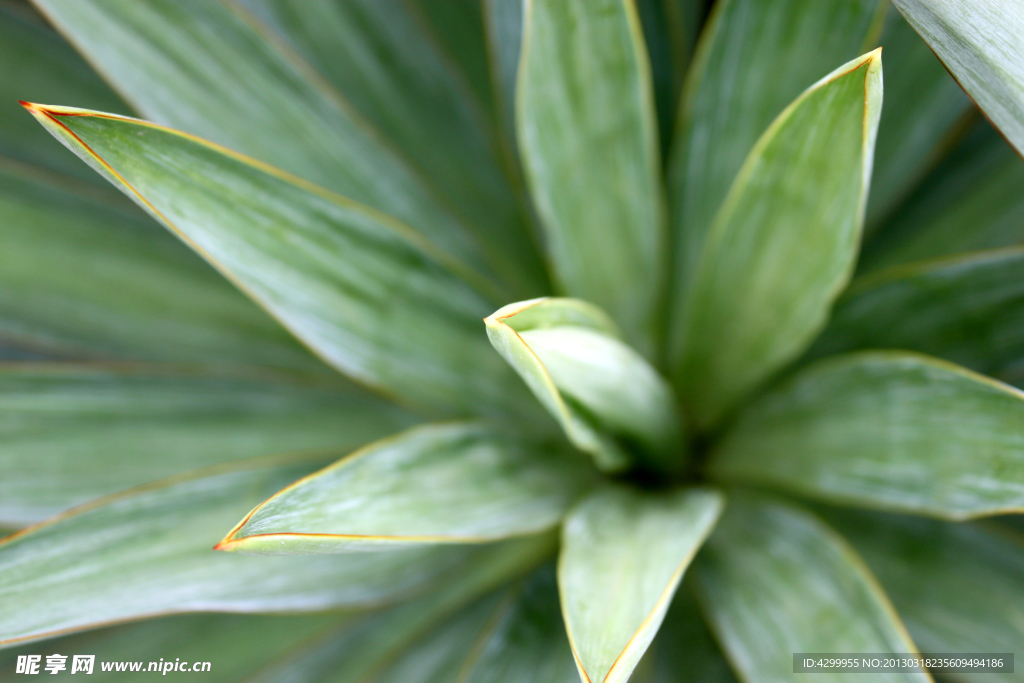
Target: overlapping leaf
pixel 973 200
pixel 361 290
pixel 889 430
pixel 385 61
pixel 981 42
pixel 969 310
pixel 457 483
pixel 588 140
pixel 773 581
pixel 209 69
pixel 957 586
pixel 75 432
pixel 147 552
pixel 598 388
pixel 924 111
pixel 623 555
pixel 783 244
pixel 753 59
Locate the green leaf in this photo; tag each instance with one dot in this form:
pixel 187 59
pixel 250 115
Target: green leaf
pixel 455 483
pixel 889 430
pixel 683 643
pixel 148 552
pixel 623 555
pixel 924 111
pixel 753 59
pixel 981 43
pixel 598 388
pixel 360 289
pixel 969 310
pixel 588 139
pixel 773 580
pixel 957 586
pixel 783 244
pixel 383 58
pixel 237 646
pixel 360 650
pixel 71 432
pixel 40 66
pixel 503 20
pixel 973 200
pixel 81 278
pixel 209 69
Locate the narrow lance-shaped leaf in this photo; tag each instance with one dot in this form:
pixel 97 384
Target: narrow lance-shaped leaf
pixel 924 112
pixel 773 581
pixel 236 646
pixel 957 586
pixel 71 433
pixel 753 59
pixel 981 42
pixel 588 140
pixel 623 554
pixel 147 552
pixel 384 59
pixel 457 483
pixel 351 283
pixel 208 69
pixel 969 310
pixel 602 392
pixel 973 200
pixel 783 244
pixel 503 20
pixel 886 430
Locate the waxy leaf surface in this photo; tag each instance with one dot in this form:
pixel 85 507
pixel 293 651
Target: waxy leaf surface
pixel 362 291
pixel 623 555
pixel 783 244
pixel 588 141
pixel 969 310
pixel 888 430
pixel 71 432
pixel 148 552
pixel 981 42
pixel 957 586
pixel 773 580
pixel 448 483
pixel 212 69
pixel 753 59
pixel 599 389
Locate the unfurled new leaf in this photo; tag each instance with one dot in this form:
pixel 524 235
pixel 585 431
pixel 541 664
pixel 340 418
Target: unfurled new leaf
pixel 454 483
pixel 602 392
pixel 623 554
pixel 885 430
pixel 783 243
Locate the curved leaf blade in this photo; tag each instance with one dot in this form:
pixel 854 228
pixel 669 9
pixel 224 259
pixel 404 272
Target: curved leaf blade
pixel 885 430
pixel 968 310
pixel 783 244
pixel 148 552
pixel 981 42
pixel 774 580
pixel 600 390
pixel 71 432
pixel 384 59
pixel 753 59
pixel 588 140
pixel 167 58
pixel 623 555
pixel 957 586
pixel 346 280
pixel 457 483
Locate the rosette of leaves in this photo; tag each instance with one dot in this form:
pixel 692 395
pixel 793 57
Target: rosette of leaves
pixel 436 340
